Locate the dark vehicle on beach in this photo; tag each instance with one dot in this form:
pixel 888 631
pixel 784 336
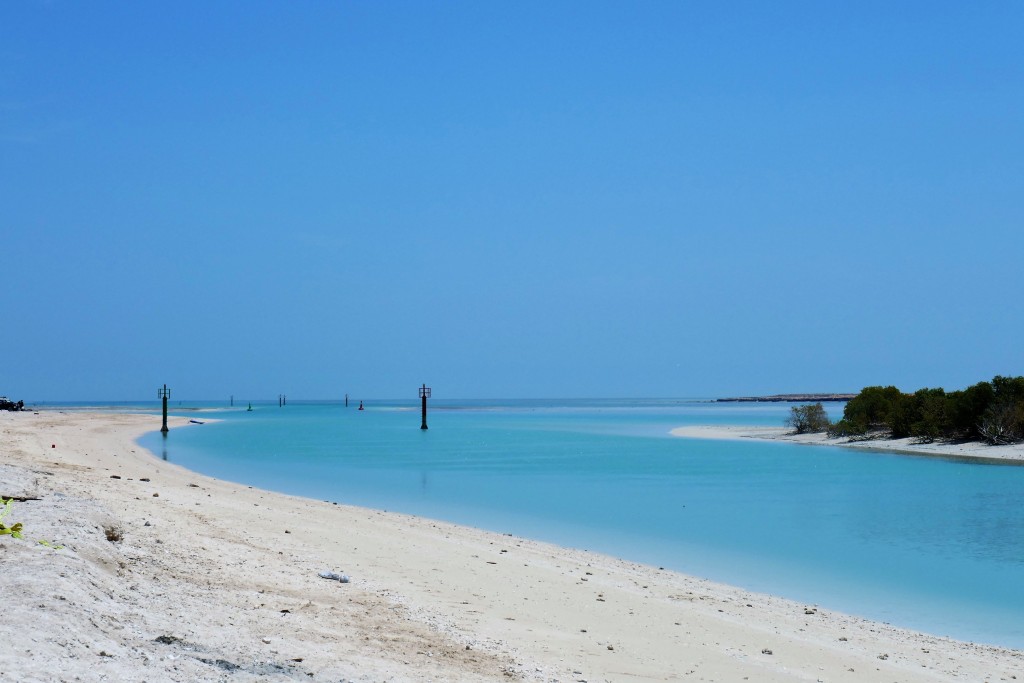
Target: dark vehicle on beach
pixel 6 404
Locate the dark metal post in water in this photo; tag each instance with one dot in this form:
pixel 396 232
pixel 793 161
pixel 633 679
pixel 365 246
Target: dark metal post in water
pixel 424 395
pixel 164 393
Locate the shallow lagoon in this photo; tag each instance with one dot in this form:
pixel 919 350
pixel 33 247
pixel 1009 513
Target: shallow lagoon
pixel 928 543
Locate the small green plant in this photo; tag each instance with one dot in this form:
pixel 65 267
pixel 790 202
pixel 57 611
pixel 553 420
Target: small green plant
pixel 15 529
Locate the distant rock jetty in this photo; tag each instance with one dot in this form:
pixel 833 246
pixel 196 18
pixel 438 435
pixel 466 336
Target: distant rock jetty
pixel 7 404
pixel 788 398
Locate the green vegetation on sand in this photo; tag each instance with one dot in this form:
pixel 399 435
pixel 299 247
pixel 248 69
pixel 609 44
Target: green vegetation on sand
pixel 988 411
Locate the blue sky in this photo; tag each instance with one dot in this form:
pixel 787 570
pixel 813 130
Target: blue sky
pixel 530 199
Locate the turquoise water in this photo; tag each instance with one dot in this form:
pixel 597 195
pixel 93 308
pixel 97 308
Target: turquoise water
pixel 931 544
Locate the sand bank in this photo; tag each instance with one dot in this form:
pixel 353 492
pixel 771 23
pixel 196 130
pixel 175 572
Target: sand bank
pixel 972 449
pixel 166 575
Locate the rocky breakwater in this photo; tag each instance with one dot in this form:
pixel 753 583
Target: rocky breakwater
pixel 788 398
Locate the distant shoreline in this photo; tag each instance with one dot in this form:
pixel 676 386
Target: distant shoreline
pixel 974 450
pixel 788 398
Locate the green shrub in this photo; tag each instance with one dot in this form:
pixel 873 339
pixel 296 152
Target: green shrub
pixel 967 408
pixel 993 411
pixel 871 409
pixel 846 428
pixel 808 419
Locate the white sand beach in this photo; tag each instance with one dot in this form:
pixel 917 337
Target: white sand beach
pixel 167 575
pixel 908 446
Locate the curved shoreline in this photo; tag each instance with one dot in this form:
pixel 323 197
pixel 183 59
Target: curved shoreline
pixel 209 571
pixel 972 450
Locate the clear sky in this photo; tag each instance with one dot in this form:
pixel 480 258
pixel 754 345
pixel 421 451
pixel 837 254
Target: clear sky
pixel 508 199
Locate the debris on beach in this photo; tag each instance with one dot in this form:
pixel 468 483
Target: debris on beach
pixel 334 576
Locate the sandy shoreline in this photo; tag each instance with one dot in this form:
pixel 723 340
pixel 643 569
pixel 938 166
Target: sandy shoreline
pixel 971 450
pixel 212 580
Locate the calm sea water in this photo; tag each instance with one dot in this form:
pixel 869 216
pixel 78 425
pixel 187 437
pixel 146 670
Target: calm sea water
pixel 931 544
